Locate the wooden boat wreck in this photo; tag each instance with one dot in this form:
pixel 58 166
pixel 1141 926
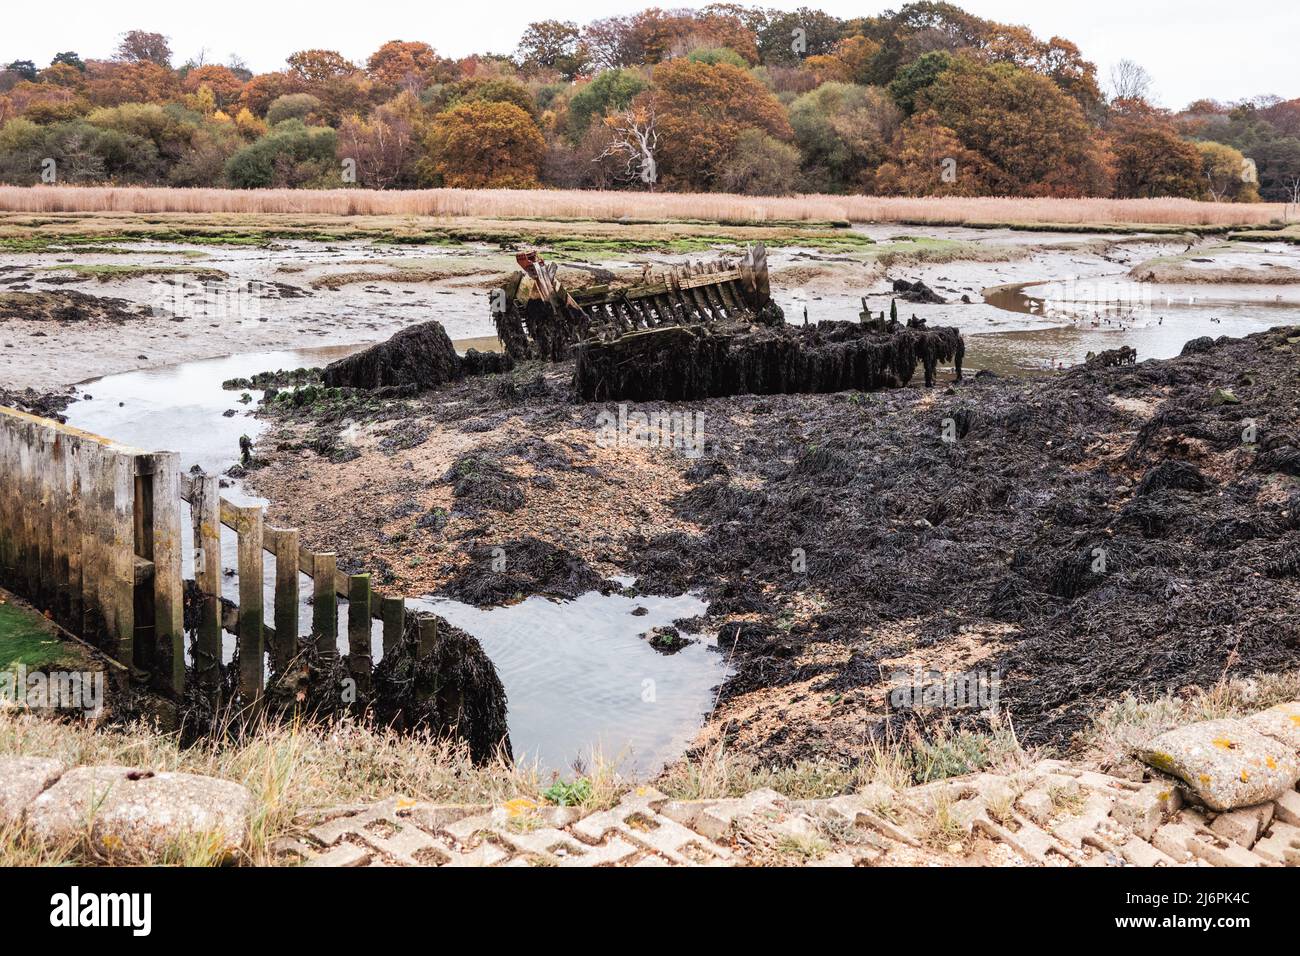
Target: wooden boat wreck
pixel 705 330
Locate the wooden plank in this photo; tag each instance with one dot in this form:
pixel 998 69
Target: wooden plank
pixel 360 662
pixel 205 499
pixel 325 604
pixel 252 650
pixel 168 586
pixel 393 610
pixel 285 647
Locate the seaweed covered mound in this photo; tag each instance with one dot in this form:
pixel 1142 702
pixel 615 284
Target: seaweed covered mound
pixel 449 688
pixel 691 362
pixel 421 356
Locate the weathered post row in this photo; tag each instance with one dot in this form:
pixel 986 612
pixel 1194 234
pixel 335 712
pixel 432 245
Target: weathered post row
pixel 209 511
pixel 90 533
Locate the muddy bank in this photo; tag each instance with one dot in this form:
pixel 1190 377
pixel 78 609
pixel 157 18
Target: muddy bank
pixel 1105 530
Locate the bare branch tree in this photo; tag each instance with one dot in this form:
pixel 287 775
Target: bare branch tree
pixel 636 136
pixel 1130 81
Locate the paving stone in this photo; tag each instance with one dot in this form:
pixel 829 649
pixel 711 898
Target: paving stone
pixel 1225 762
pixel 1287 808
pixel 22 780
pixel 1243 826
pixel 1037 805
pixel 1092 825
pixel 123 808
pixel 1141 853
pixel 1174 840
pixel 637 822
pixel 345 854
pixel 715 818
pixel 1031 842
pixel 1145 809
pixel 1281 845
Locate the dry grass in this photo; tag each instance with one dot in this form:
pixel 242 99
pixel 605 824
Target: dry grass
pixel 582 204
pixel 290 770
pixel 1123 727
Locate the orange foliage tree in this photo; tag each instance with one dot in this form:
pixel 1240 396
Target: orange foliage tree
pixel 1035 138
pixel 483 145
pixel 702 109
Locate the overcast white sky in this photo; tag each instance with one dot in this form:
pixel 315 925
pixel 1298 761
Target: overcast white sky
pixel 1193 48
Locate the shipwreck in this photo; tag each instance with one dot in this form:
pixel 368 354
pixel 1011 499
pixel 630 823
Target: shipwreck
pixel 705 330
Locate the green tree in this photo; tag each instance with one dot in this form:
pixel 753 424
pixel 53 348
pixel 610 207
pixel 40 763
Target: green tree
pixel 610 91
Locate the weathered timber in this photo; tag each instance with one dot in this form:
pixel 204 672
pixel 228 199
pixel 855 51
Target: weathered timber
pixel 252 664
pixel 712 361
pixel 360 662
pixel 325 604
pixel 286 543
pixel 536 317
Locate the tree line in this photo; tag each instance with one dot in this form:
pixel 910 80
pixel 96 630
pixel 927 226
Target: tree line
pixel 925 100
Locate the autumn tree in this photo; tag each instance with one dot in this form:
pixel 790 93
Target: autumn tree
pixel 554 45
pixel 928 159
pixel 141 81
pixel 1228 175
pixel 702 111
pixel 317 66
pixel 408 65
pixel 141 46
pixel 483 145
pixel 265 88
pixel 221 80
pixel 1151 159
pixel 1033 134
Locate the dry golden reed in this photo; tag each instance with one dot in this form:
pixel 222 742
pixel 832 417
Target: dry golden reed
pixel 591 204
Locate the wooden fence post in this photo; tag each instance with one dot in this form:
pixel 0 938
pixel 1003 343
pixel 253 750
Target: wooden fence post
pixel 325 604
pixel 359 657
pixel 252 650
pixel 205 515
pixel 168 593
pixel 394 614
pixel 286 597
pixel 428 637
pixel 117 508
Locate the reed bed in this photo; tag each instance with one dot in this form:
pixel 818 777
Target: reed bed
pixel 635 206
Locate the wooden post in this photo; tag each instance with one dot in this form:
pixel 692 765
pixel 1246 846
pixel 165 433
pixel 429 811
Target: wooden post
pixel 359 656
pixel 92 563
pixel 205 515
pixel 73 611
pixel 393 610
pixel 428 637
pixel 168 596
pixel 117 596
pixel 286 596
pixel 252 668
pixel 325 604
